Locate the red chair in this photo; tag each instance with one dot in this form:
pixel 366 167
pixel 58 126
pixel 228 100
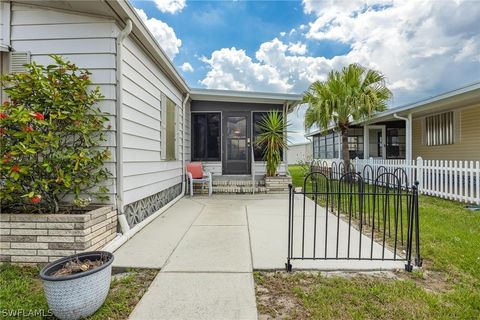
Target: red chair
pixel 196 175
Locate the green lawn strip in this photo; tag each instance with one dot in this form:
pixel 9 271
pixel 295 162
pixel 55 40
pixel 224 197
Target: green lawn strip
pixel 21 289
pixel 446 287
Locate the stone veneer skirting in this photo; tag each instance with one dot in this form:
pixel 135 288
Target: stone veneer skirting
pixel 42 238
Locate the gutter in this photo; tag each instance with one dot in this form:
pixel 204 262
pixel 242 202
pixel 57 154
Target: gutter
pixel 119 129
pixel 184 105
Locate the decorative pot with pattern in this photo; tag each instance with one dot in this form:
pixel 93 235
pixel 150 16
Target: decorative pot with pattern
pixel 79 295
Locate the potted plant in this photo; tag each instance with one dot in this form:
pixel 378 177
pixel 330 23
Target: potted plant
pixel 272 140
pixel 78 285
pixel 51 167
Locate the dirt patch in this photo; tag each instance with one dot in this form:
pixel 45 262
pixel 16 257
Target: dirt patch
pixel 275 299
pixel 432 281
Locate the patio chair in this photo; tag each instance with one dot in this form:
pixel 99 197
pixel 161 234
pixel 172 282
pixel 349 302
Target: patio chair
pixel 196 175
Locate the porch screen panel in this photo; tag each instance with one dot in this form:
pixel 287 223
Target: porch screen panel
pixel 257 151
pixel 206 136
pixel 396 143
pixel 355 143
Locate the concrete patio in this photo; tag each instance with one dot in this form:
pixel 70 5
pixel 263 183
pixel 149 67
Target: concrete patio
pixel 207 249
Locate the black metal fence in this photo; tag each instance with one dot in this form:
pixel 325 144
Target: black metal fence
pixel 359 216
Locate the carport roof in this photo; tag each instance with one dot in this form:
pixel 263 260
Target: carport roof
pixel 245 96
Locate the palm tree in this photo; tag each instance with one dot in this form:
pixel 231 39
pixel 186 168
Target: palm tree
pixel 352 94
pixel 271 140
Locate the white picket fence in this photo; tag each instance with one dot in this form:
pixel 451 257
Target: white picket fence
pixel 455 180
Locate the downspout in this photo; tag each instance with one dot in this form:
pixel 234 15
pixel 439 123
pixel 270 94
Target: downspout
pixel 183 142
pixel 408 134
pixel 285 159
pixel 124 227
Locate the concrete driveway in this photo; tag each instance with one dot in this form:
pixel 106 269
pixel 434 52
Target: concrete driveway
pixel 208 247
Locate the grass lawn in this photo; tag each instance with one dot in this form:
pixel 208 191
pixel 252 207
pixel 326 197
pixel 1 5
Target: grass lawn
pixel 447 287
pixel 21 289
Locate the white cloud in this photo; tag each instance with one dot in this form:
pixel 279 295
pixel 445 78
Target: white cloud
pixel 231 68
pixel 163 33
pixel 170 6
pixel 282 34
pixel 274 69
pixel 297 48
pixel 423 48
pixel 415 43
pixel 186 67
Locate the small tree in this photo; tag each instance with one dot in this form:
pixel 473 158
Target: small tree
pixel 271 140
pixel 348 95
pixel 50 138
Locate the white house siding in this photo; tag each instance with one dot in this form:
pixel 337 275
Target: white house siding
pixel 143 83
pixel 86 40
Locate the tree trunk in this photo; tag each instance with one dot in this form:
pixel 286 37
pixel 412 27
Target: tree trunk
pixel 345 152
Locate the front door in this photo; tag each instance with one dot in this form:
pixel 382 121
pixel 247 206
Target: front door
pixel 236 149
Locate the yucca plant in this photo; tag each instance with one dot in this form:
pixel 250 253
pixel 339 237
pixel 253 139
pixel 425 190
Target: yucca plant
pixel 272 140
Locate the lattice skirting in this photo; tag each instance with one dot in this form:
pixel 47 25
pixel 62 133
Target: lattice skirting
pixel 139 210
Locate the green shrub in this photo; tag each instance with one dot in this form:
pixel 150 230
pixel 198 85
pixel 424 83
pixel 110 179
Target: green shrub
pixel 51 134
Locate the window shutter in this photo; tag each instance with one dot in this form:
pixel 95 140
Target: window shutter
pixel 178 134
pixel 18 59
pixel 163 127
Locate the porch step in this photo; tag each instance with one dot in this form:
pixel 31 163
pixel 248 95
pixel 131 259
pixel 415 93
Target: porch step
pixel 234 185
pixel 238 189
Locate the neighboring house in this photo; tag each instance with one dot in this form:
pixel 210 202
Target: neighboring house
pixel 299 152
pixel 158 122
pixel 445 127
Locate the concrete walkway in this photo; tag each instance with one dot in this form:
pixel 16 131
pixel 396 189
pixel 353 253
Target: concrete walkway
pixel 208 247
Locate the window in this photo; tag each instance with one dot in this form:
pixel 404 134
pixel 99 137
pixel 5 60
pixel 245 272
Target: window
pixel 170 131
pixel 355 143
pixel 206 136
pixel 439 129
pixel 258 152
pixel 316 147
pixel 325 147
pixel 395 143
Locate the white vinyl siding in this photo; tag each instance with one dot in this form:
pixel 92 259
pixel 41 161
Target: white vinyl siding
pixel 145 93
pixel 86 40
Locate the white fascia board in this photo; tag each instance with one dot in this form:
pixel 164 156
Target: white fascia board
pixel 244 96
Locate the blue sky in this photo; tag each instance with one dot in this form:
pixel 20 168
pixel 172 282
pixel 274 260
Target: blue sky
pixel 424 48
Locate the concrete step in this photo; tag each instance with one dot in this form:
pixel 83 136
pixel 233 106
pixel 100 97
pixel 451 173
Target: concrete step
pixel 231 189
pixel 238 189
pixel 238 183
